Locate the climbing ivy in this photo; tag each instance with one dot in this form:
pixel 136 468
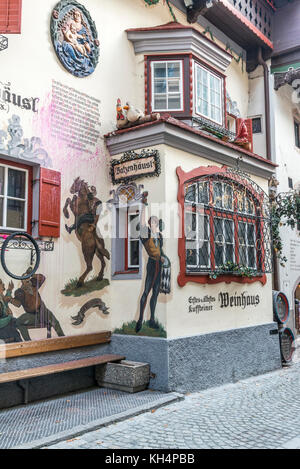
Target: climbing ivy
pixel 285 212
pixel 154 2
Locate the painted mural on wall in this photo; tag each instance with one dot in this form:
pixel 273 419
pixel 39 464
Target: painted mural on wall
pixel 157 276
pixel 12 143
pixel 36 315
pixel 75 39
pixel 86 208
pixel 158 269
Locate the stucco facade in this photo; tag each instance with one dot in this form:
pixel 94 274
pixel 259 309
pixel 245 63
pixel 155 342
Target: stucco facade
pixel 240 334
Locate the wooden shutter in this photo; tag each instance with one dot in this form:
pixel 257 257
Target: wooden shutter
pixel 10 16
pixel 49 207
pixel 248 123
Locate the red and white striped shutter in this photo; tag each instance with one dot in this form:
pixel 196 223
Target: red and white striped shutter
pixel 49 206
pixel 10 16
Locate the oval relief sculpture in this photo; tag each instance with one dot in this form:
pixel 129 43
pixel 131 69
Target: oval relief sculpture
pixel 74 37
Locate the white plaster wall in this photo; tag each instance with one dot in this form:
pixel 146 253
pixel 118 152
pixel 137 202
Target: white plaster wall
pixel 30 64
pixel 257 108
pixel 288 159
pixel 179 321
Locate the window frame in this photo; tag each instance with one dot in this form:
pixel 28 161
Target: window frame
pixel 120 270
pixel 129 240
pixel 28 192
pixel 203 277
pixel 221 78
pixel 181 84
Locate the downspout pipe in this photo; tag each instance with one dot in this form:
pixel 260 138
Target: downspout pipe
pixel 262 62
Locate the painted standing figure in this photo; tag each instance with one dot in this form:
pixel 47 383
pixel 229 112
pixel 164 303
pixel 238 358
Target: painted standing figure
pixel 152 240
pixel 36 312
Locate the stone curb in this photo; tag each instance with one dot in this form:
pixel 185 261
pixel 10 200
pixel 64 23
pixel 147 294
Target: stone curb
pixel 104 422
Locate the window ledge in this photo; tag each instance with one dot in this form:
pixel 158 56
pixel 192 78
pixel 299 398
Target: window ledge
pixel 127 275
pixel 184 277
pixel 170 131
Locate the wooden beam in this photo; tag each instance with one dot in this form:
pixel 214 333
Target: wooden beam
pixel 49 345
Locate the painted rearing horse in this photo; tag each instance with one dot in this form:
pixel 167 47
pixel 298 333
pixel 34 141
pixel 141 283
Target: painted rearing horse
pixel 85 227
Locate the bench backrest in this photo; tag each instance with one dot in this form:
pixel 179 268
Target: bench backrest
pixel 49 345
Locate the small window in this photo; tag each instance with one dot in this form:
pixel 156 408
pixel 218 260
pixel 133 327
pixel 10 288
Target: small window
pixel 13 198
pixel 256 125
pixel 297 134
pixel 132 260
pixel 209 94
pixel 290 183
pixel 167 94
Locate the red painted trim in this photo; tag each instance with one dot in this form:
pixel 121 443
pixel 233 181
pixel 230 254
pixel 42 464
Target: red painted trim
pixel 29 192
pixel 247 23
pixel 183 277
pixel 191 84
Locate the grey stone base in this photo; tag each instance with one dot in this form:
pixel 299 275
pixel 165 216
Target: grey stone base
pixel 193 363
pixel 185 364
pixel 126 376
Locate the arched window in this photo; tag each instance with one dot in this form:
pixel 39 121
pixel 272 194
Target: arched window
pixel 225 227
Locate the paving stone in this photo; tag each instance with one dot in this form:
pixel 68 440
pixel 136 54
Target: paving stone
pixel 261 412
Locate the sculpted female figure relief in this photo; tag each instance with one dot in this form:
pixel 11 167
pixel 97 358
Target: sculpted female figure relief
pixel 74 37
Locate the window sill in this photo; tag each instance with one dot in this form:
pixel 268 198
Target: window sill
pixel 127 275
pixel 185 277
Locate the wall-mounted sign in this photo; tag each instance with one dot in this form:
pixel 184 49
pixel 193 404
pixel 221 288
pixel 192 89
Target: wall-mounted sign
pixel 135 165
pixel 74 36
pixel 224 300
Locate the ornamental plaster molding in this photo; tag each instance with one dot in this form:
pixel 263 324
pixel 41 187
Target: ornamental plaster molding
pixel 179 40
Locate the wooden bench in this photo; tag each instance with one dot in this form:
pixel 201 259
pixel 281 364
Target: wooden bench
pixel 22 377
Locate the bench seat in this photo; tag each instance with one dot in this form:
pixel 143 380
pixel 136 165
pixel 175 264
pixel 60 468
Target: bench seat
pixel 25 375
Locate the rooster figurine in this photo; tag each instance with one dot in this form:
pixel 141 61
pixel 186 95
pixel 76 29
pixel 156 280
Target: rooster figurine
pixel 122 120
pixel 133 114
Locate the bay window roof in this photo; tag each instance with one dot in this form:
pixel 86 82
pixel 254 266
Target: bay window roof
pixel 175 37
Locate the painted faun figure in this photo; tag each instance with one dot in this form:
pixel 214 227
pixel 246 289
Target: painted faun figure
pixel 152 240
pixel 86 208
pixel 36 312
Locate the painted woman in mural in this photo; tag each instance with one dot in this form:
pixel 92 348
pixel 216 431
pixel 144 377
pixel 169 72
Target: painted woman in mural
pixel 86 208
pixel 152 240
pixel 74 36
pixel 36 312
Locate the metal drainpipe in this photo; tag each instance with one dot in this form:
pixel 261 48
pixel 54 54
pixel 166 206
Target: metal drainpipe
pixel 267 102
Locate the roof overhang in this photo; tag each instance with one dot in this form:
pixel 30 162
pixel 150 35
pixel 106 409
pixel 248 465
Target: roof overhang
pixel 174 37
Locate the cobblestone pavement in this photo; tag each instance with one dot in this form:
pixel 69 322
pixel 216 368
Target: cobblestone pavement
pixel 261 412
